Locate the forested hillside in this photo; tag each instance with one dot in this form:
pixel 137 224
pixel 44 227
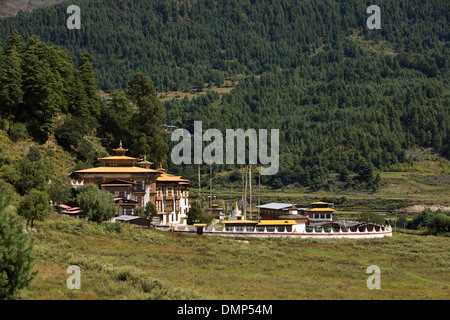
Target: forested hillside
pixel 348 101
pixel 188 43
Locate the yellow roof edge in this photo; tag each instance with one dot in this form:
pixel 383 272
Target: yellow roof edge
pixel 117 170
pixel 277 222
pixel 239 221
pixel 320 209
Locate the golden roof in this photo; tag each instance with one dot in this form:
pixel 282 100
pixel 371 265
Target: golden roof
pixel 118 158
pixel 277 222
pixel 239 221
pixel 264 222
pixel 320 202
pixel 166 177
pixel 320 209
pixel 117 170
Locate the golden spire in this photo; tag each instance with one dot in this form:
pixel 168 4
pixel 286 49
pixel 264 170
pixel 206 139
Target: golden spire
pixel 120 151
pixel 144 163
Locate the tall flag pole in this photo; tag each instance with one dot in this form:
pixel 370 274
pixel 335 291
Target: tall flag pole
pixel 243 186
pixel 245 193
pixel 259 193
pixel 250 186
pixel 199 187
pixel 210 189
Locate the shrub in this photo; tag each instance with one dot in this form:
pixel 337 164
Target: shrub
pixel 441 223
pixel 19 132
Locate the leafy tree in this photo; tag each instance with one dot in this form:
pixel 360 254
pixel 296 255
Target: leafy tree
pixel 33 172
pixel 34 206
pixel 70 133
pixel 97 205
pixel 194 213
pixel 422 221
pixel 60 189
pixel 16 251
pixel 150 210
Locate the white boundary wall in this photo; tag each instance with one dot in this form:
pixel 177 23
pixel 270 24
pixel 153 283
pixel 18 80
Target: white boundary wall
pixel 387 232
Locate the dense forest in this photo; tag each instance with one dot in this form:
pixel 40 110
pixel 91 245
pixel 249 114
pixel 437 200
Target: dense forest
pixel 348 101
pixel 185 43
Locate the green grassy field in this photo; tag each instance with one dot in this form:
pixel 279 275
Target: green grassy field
pixel 148 264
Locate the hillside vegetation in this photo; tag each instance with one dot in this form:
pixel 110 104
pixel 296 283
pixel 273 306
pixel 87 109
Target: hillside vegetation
pixel 349 102
pixel 123 263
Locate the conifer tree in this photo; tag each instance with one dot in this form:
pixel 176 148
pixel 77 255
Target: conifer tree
pixel 11 93
pixel 89 82
pixel 16 251
pixel 148 120
pixel 42 99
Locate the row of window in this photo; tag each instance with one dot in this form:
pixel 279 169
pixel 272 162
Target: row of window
pixel 258 228
pixel 322 216
pixel 170 192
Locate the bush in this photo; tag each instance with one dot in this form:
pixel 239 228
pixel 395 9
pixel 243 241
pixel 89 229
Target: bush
pixel 441 224
pixel 19 132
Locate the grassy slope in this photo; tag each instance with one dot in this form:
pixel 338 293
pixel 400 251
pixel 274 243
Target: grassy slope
pixel 144 264
pixel 59 160
pixel 11 7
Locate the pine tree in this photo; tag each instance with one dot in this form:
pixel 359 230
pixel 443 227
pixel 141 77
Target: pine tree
pixel 11 93
pixel 16 251
pixel 90 85
pixel 42 97
pixel 148 120
pixel 15 40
